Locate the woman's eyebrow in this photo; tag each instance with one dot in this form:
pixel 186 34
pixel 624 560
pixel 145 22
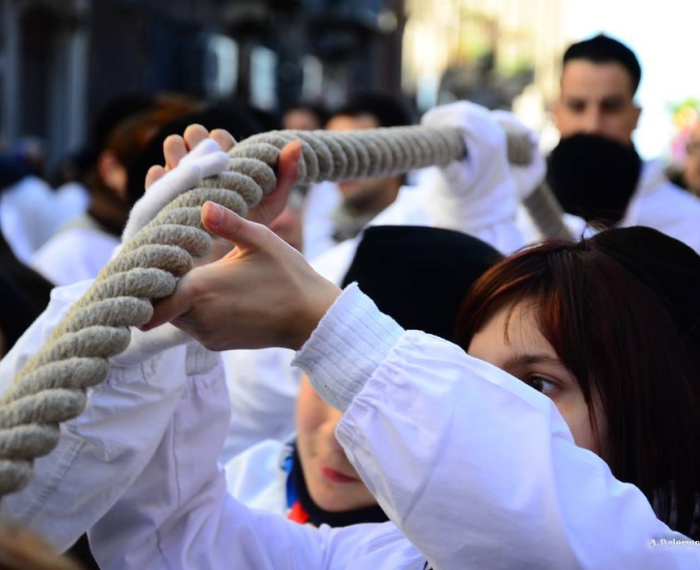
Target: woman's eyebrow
pixel 521 360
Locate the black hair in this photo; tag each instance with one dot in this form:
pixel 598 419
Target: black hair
pixel 390 111
pixel 236 118
pixel 317 109
pixel 604 49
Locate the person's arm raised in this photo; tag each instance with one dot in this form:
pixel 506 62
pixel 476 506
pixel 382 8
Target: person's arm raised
pixel 262 294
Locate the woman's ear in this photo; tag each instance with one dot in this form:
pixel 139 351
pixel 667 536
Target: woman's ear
pixel 112 173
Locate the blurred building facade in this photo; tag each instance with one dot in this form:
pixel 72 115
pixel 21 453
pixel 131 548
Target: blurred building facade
pixel 485 50
pixel 62 60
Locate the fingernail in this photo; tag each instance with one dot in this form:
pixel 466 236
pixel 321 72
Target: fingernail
pixel 214 213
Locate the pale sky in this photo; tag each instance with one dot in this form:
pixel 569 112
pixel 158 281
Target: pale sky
pixel 665 35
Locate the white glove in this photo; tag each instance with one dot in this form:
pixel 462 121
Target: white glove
pixel 206 159
pixel 527 177
pixel 478 191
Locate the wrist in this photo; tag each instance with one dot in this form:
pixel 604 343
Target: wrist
pixel 320 300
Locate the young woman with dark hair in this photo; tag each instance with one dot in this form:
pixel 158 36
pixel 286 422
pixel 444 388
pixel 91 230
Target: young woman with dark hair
pixel 578 325
pixel 473 467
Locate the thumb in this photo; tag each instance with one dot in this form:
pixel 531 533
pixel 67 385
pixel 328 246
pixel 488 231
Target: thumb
pixel 168 309
pixel 222 222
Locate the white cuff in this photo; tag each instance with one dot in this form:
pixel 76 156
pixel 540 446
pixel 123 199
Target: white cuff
pixel 348 345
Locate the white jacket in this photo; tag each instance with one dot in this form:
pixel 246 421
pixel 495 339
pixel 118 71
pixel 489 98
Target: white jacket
pixel 101 452
pixel 263 389
pixel 76 253
pixel 257 477
pixel 474 468
pixel 661 205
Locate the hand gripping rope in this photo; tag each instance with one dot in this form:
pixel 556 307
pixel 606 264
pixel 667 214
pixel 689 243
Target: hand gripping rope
pixel 50 388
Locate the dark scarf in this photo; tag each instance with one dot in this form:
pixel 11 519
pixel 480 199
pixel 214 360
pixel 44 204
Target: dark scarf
pixel 593 177
pixel 304 504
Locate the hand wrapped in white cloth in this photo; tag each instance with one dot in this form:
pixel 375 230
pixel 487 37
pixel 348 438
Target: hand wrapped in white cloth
pixel 186 171
pixel 189 159
pixel 527 177
pixel 478 191
pixel 207 159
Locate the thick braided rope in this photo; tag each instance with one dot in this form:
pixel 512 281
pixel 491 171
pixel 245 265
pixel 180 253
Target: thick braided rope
pixel 541 204
pixel 50 388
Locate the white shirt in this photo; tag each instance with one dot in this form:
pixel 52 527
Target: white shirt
pixel 74 254
pixel 659 204
pixel 257 479
pixel 412 208
pixel 474 468
pixel 319 204
pixel 31 212
pixel 263 389
pixel 101 452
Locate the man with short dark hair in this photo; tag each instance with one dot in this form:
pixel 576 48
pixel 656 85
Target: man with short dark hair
pixel 599 80
pixel 336 213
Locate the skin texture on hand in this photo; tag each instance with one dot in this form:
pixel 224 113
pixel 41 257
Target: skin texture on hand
pixel 262 294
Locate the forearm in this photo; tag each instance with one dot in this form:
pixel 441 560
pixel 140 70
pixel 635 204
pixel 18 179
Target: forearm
pixel 469 462
pixel 330 357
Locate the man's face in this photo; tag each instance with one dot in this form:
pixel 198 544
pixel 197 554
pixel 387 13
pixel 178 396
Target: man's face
pixel 691 171
pixel 360 193
pixel 596 98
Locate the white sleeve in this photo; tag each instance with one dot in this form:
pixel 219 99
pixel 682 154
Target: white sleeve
pixel 178 515
pixel 102 451
pixel 476 468
pixel 74 255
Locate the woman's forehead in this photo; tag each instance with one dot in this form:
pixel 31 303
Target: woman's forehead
pixel 514 329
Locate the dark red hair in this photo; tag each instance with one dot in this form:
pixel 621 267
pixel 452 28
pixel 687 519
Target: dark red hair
pixel 613 332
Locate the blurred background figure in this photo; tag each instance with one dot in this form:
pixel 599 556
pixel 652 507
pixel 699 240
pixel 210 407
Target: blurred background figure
pixel 337 212
pixel 599 81
pixel 82 247
pixel 363 199
pixel 687 176
pixel 596 108
pixel 30 210
pixel 305 117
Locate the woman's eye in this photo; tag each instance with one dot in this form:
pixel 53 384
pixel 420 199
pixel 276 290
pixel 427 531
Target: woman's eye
pixel 541 384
